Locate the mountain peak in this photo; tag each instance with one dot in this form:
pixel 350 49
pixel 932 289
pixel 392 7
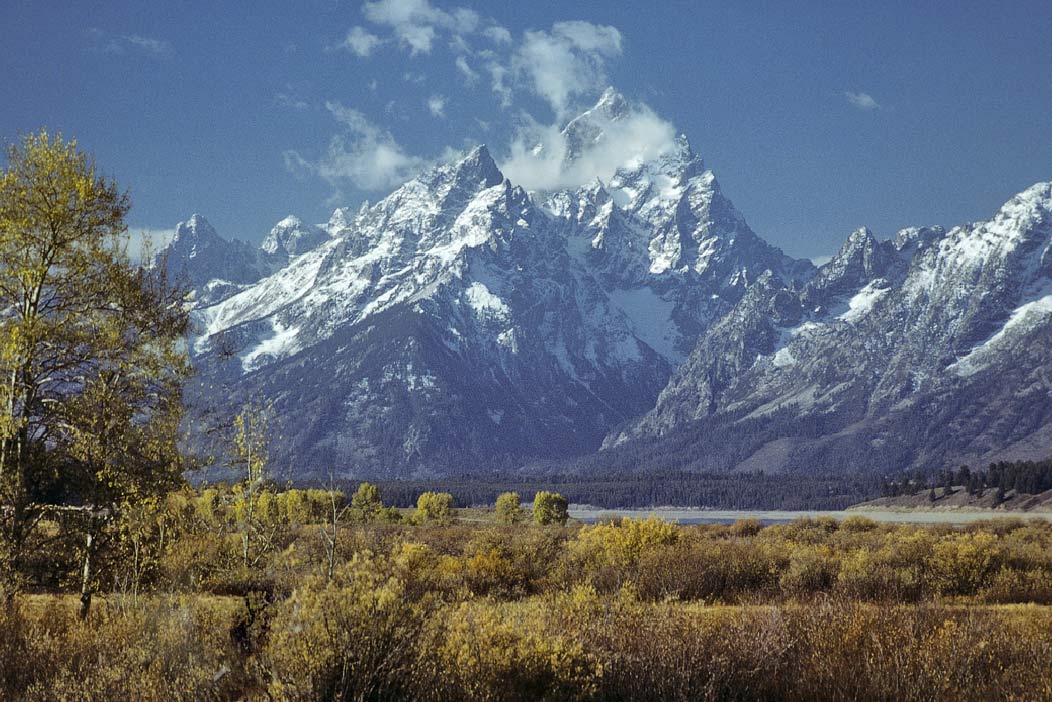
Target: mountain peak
pixel 480 161
pixel 861 258
pixel 463 178
pixel 195 228
pixel 197 223
pixel 612 103
pixel 589 127
pixel 1038 192
pixel 292 237
pixel 1033 202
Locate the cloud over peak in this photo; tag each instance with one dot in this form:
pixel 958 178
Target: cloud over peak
pixel 565 66
pixel 545 157
pixel 566 62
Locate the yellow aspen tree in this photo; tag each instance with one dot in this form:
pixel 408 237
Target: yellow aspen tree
pixel 92 351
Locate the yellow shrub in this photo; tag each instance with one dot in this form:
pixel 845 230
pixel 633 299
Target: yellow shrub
pixel 505 654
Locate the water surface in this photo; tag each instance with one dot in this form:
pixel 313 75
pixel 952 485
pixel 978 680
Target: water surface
pixel 589 514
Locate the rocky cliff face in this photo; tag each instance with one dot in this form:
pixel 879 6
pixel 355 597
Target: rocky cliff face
pixel 463 323
pixel 928 349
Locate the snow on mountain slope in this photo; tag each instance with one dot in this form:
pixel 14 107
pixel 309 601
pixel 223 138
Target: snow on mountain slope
pixel 460 297
pixel 463 323
pixel 291 237
pixel 926 348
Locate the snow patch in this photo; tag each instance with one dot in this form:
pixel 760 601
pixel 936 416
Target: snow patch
pixel 1022 319
pixel 649 317
pixel 484 302
pixel 284 343
pixel 862 302
pixel 783 357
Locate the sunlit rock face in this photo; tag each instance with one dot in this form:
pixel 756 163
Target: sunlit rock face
pixel 930 349
pixel 463 323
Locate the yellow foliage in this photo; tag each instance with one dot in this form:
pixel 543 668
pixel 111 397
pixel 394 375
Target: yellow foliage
pixel 624 543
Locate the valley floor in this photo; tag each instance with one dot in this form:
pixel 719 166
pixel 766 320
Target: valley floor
pixel 486 604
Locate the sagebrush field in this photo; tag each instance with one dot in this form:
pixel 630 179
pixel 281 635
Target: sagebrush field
pixel 222 594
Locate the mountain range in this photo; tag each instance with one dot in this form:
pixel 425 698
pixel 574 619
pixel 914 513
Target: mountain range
pixel 464 324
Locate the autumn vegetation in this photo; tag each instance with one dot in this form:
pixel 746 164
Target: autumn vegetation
pixel 121 580
pixel 419 604
pixel 415 604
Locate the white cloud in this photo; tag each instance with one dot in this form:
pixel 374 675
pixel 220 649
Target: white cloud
pixel 414 22
pixel 465 21
pixel 567 62
pixel 498 73
pixel 366 156
pixel 149 44
pixel 863 101
pixel 293 103
pixel 147 241
pixel 460 45
pixel 361 42
pixel 123 43
pixel 436 105
pixel 497 34
pixel 299 167
pixel 417 37
pixel 538 154
pixel 470 76
pixel 559 65
pixel 821 260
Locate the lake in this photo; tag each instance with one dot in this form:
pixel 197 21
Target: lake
pixel 589 515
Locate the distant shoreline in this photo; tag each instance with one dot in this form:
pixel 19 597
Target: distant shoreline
pixel 590 514
pixel 953 509
pixel 959 500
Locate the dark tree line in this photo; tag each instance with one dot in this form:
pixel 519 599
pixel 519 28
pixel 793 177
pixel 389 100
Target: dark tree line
pixel 626 490
pixel 1022 477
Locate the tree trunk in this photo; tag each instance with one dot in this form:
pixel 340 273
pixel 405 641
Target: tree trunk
pixel 85 582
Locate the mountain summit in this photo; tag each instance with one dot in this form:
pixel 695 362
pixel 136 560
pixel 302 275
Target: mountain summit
pixel 462 323
pixel 930 349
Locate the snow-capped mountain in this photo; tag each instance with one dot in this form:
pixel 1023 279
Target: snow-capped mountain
pixel 291 237
pixel 923 351
pixel 216 268
pixel 463 323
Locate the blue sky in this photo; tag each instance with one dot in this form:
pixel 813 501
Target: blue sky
pixel 816 117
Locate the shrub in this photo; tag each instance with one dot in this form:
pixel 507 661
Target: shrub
pixel 509 508
pixel 508 654
pixel 550 508
pixel 354 638
pixel 811 570
pixel 436 507
pixel 365 503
